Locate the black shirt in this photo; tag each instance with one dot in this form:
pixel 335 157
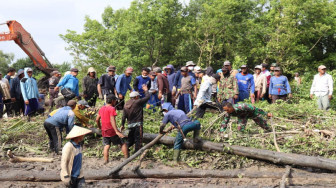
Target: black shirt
pixel 107 84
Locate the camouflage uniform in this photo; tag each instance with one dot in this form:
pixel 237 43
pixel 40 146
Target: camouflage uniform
pixel 228 88
pixel 244 112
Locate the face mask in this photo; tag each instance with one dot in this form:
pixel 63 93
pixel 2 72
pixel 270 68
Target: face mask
pixel 144 76
pixel 191 68
pixel 164 113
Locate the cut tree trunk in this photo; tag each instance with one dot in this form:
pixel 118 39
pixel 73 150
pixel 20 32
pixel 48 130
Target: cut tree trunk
pixel 102 174
pixel 254 153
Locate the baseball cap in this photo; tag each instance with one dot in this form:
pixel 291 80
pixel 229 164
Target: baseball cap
pixel 74 70
pixel 19 72
pixel 134 94
pixel 184 69
pixel 157 69
pixel 226 63
pixel 216 76
pixel 258 67
pixel 322 67
pixel 274 65
pixel 190 63
pixel 129 70
pixel 243 66
pixel 277 69
pixel 84 103
pixel 29 69
pixel 111 68
pixel 71 103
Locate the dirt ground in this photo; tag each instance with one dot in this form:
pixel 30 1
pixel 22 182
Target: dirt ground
pixel 97 164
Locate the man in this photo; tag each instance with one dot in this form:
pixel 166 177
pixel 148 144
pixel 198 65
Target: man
pixel 232 72
pixel 180 121
pixel 63 118
pixel 203 99
pixel 163 86
pixel 268 76
pixel 153 91
pixel 15 90
pixel 188 91
pixel 279 86
pixel 170 76
pixel 106 83
pixel 122 85
pixel 171 79
pixel 141 80
pixel 245 84
pixel 69 85
pixel 5 97
pixel 72 157
pixel 10 74
pixel 82 120
pixel 30 93
pixel 53 81
pixel 244 112
pixel 228 87
pixel 322 88
pixel 106 121
pixel 260 82
pixel 133 113
pixel 90 82
pixel 178 77
pixel 273 65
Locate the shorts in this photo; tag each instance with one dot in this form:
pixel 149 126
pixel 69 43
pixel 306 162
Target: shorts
pixel 115 140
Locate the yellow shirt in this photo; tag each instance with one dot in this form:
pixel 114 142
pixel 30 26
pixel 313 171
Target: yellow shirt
pixel 80 117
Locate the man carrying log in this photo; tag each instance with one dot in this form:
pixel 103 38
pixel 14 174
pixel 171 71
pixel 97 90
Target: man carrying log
pixel 183 123
pixel 71 163
pixel 244 112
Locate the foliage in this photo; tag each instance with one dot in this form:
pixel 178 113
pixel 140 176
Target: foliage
pixel 5 61
pixel 298 34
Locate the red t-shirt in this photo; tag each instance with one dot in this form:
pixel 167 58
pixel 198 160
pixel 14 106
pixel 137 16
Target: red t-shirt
pixel 105 113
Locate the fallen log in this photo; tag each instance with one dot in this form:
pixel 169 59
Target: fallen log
pixel 254 153
pixel 102 174
pixel 140 151
pixel 16 159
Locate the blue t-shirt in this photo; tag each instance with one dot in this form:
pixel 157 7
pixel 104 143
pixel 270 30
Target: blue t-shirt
pixel 245 83
pixel 70 82
pixel 77 162
pixel 123 84
pixel 279 86
pixel 174 116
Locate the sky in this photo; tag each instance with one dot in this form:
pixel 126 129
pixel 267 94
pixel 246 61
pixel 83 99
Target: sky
pixel 46 19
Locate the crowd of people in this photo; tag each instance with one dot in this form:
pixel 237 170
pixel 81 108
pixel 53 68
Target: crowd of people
pixel 182 96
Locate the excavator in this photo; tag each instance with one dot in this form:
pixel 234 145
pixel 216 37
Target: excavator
pixel 26 42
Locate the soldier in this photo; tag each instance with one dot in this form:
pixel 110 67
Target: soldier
pixel 244 112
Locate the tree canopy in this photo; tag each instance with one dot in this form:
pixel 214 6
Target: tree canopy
pixel 297 34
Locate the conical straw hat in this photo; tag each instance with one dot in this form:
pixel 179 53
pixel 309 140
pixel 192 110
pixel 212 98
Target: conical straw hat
pixel 77 131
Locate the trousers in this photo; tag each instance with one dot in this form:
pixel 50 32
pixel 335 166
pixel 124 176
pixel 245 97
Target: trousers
pixel 191 126
pixel 323 102
pixel 55 137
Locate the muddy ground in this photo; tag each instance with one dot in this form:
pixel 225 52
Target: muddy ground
pixel 97 164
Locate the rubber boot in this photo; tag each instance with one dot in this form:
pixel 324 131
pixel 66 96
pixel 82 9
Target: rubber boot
pixel 197 139
pixel 176 156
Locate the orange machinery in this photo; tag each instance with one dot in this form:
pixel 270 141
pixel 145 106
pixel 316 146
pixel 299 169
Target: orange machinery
pixel 22 38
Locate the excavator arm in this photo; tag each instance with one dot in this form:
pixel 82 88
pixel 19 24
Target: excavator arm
pixel 22 38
